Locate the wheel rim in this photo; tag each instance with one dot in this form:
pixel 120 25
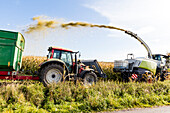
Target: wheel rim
pixel 89 79
pixel 53 76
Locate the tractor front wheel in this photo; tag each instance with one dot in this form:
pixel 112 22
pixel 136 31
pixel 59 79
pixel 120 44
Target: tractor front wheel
pixel 51 73
pixel 90 78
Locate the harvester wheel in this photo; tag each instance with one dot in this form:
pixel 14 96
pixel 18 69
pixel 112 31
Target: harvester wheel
pixel 90 78
pixel 51 73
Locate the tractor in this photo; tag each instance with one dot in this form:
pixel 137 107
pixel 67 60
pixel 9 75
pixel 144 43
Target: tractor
pixel 62 64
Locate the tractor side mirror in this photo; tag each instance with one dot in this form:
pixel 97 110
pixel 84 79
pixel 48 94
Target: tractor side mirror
pixel 79 54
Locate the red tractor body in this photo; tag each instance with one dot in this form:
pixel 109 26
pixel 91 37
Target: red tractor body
pixel 62 64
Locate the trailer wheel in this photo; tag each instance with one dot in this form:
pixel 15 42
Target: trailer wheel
pixel 90 78
pixel 51 73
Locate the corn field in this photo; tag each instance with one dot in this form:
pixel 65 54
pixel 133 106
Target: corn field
pixel 30 65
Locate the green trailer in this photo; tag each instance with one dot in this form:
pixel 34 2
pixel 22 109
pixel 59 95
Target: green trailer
pixel 11 49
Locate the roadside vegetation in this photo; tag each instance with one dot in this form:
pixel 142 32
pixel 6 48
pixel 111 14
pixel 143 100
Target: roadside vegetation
pixel 31 96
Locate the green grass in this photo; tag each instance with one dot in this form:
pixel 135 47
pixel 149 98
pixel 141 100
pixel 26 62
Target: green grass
pixel 66 97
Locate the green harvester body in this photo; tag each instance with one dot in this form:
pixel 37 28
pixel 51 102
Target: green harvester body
pixel 11 49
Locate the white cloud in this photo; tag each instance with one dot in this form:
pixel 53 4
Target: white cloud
pixel 145 30
pixel 150 19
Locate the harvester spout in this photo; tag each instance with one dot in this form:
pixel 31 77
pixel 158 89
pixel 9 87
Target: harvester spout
pixel 141 41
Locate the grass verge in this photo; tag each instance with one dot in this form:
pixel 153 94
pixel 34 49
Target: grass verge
pixel 66 97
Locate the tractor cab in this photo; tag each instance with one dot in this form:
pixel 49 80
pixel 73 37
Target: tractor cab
pixel 62 54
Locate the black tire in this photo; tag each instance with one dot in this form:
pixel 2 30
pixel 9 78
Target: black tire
pixel 52 73
pixel 142 78
pixel 89 78
pixel 163 78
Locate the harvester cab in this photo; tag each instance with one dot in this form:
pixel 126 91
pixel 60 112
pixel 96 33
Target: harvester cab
pixel 62 64
pixel 162 59
pixel 163 62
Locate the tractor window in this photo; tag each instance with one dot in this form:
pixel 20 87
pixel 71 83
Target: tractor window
pixel 56 54
pixel 67 58
pixel 64 56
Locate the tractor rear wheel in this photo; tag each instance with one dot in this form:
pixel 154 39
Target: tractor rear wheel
pixel 90 78
pixel 51 73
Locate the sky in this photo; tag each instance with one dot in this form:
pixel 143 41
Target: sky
pixel 150 19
